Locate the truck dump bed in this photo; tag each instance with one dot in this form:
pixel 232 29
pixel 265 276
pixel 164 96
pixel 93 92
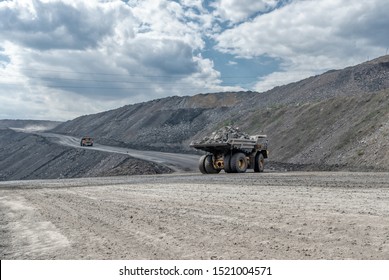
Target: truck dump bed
pixel 231 144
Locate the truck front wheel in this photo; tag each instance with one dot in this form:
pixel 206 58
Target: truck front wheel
pixel 259 163
pixel 227 163
pixel 239 163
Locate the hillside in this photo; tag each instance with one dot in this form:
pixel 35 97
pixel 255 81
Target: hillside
pixel 29 156
pixel 164 124
pixel 337 120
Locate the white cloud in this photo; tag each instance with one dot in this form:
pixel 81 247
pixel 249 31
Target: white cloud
pixel 311 37
pixel 239 10
pixel 64 58
pixel 54 25
pixel 90 56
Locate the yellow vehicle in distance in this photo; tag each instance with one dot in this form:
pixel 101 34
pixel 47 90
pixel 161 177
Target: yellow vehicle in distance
pixel 86 141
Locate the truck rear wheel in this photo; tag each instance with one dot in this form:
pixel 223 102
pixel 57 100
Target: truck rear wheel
pixel 209 167
pixel 206 165
pixel 259 163
pixel 202 164
pixel 239 163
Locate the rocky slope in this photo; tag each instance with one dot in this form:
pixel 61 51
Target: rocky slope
pixel 337 120
pixel 163 124
pixel 338 133
pixel 29 156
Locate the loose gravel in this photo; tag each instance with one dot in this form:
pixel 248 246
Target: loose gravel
pixel 292 215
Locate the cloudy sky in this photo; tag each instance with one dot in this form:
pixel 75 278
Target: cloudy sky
pixel 63 59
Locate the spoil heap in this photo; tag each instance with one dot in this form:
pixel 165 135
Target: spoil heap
pixel 223 134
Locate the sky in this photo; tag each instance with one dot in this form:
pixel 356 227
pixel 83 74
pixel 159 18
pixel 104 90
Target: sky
pixel 60 59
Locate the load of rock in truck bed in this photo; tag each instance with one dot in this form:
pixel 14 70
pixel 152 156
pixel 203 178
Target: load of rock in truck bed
pixel 231 150
pixel 223 134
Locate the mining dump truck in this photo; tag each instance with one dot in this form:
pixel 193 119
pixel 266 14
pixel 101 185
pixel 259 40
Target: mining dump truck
pixel 86 141
pixel 233 155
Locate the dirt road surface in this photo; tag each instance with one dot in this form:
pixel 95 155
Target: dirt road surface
pixel 176 161
pixel 296 215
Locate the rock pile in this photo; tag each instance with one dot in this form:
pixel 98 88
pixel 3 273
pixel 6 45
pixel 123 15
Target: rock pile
pixel 223 134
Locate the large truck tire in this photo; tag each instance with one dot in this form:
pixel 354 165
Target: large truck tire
pixel 202 164
pixel 227 163
pixel 239 163
pixel 208 165
pixel 259 162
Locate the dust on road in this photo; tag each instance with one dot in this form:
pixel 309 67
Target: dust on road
pixel 296 215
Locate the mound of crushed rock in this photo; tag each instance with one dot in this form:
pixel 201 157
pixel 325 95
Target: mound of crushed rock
pixel 223 134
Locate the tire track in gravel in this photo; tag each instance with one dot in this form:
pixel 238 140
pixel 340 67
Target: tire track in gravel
pixel 98 226
pixel 25 233
pixel 321 215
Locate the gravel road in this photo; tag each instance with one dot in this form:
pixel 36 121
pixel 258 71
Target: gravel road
pixel 295 215
pixel 176 161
